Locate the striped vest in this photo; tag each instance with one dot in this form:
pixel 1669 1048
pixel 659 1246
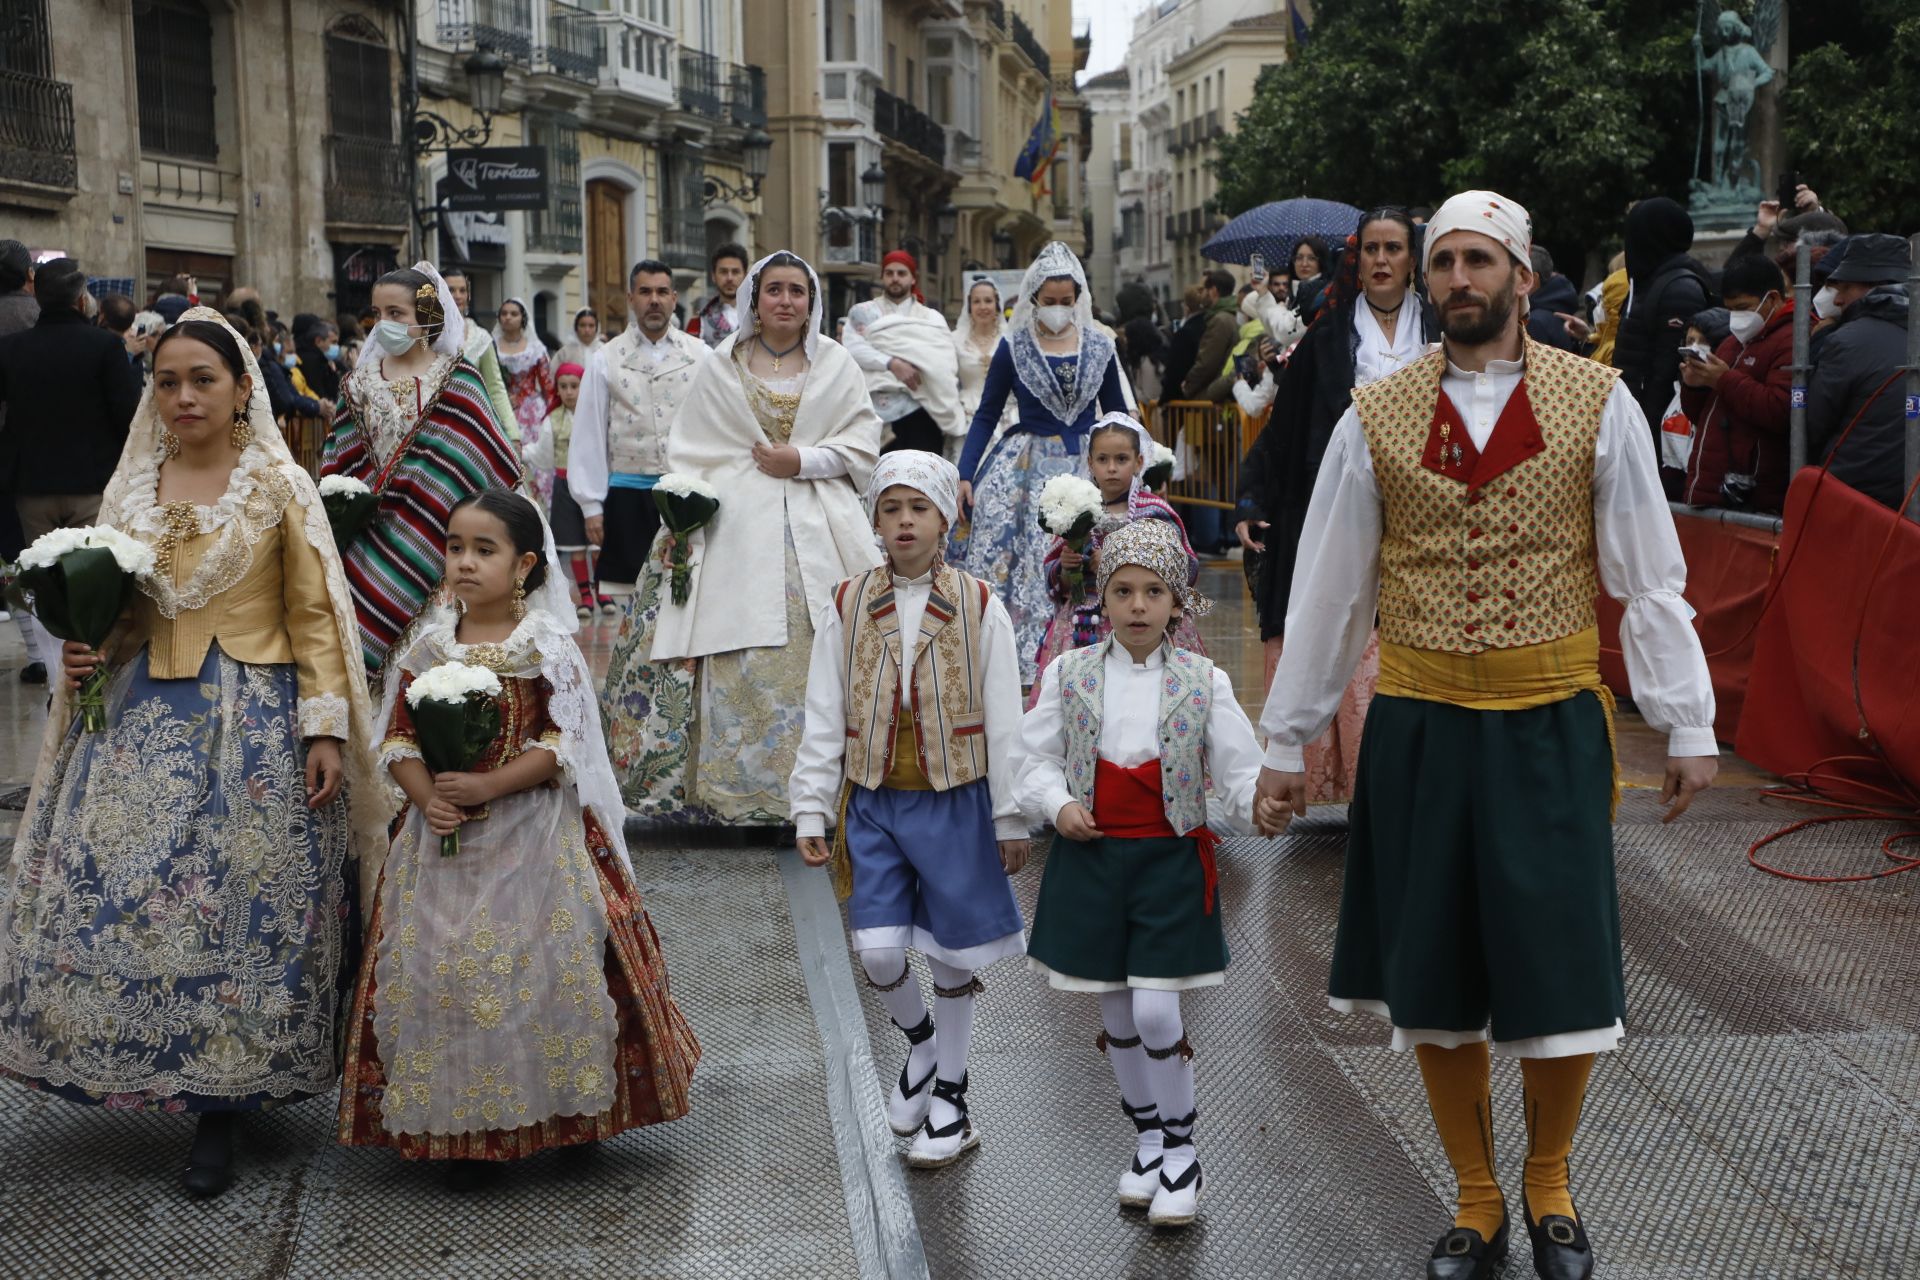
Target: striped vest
pixel 455 449
pixel 1186 699
pixel 947 706
pixel 1488 549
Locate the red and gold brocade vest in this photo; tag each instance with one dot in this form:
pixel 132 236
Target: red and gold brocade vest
pixel 935 739
pixel 1488 549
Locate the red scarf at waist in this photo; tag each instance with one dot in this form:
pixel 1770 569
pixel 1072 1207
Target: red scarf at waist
pixel 1127 805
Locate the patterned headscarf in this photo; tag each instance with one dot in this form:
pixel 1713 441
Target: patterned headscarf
pixel 929 473
pixel 1157 547
pixel 1487 212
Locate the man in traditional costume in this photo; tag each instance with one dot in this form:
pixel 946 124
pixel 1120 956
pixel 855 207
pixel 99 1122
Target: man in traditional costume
pixel 1472 499
pixel 628 400
pixel 906 351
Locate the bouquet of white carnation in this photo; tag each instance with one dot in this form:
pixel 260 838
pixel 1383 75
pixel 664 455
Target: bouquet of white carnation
pixel 1159 468
pixel 350 505
pixel 456 715
pixel 81 580
pixel 686 503
pixel 1069 508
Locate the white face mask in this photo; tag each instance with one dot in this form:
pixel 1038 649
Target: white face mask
pixel 1745 324
pixel 393 337
pixel 1826 303
pixel 1054 319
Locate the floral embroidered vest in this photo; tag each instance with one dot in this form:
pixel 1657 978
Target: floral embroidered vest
pixel 643 398
pixel 1488 549
pixel 944 719
pixel 1186 699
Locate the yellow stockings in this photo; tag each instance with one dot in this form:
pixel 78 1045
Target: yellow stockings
pixel 1460 1093
pixel 1555 1088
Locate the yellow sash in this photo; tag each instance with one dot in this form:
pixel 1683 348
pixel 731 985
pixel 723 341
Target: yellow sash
pixel 1504 679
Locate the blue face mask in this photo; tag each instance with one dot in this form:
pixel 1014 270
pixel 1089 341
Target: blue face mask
pixel 290 360
pixel 276 348
pixel 332 352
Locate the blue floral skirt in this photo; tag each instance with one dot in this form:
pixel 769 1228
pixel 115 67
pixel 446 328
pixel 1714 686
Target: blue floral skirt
pixel 1004 545
pixel 176 926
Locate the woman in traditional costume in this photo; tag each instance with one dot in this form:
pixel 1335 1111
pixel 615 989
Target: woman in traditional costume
pixel 176 921
pixel 415 425
pixel 1377 324
pixel 1056 365
pixel 528 369
pixel 513 997
pixel 976 336
pixel 705 701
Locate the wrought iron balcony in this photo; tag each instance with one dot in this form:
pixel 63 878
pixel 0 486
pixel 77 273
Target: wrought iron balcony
pixel 36 130
pixel 576 43
pixel 900 120
pixel 700 84
pixel 747 97
pixel 1214 128
pixel 368 181
pixel 1023 36
pixel 997 14
pixel 504 26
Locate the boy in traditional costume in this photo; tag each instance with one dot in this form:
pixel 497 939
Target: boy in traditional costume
pixel 1120 749
pixel 1470 499
pixel 913 709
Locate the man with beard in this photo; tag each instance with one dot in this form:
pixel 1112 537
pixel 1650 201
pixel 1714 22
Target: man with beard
pixel 907 352
pixel 480 353
pixel 721 315
pixel 628 400
pixel 1472 499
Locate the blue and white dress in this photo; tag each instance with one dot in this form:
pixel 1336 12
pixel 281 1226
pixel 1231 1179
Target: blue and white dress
pixel 1059 396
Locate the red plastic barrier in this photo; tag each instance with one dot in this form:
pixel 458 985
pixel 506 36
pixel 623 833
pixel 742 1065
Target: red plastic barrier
pixel 1728 568
pixel 1834 671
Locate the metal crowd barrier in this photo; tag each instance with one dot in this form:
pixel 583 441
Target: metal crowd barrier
pixel 305 438
pixel 1210 440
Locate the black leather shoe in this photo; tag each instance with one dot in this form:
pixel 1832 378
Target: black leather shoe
pixel 1463 1254
pixel 210 1162
pixel 1560 1247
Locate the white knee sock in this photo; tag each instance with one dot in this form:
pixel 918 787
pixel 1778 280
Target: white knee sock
pixel 1162 1034
pixel 953 1015
pixel 899 990
pixel 29 635
pixel 1130 1069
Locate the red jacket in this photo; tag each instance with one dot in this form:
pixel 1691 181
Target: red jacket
pixel 1742 422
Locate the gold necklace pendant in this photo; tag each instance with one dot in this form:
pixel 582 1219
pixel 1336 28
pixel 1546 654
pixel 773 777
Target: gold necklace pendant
pixel 181 522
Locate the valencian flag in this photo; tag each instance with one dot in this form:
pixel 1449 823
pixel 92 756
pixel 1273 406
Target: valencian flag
pixel 1043 144
pixel 1299 24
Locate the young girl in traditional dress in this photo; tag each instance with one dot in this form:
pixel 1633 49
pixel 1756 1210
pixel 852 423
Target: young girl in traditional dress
pixel 916 768
pixel 528 369
pixel 513 996
pixel 1118 450
pixel 1120 751
pixel 549 454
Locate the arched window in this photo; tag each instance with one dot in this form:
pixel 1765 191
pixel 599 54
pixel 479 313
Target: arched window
pixel 173 62
pixel 359 80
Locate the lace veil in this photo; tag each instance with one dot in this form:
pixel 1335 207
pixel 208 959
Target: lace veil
pixel 529 355
pixel 750 322
pixel 453 331
pixel 963 324
pixel 128 505
pixel 1054 262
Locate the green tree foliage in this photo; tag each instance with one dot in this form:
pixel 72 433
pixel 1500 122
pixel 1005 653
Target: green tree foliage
pixel 1572 107
pixel 1851 125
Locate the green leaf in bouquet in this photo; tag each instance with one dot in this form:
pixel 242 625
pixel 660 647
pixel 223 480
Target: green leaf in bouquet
pixel 81 596
pixel 454 735
pixel 683 513
pixel 349 514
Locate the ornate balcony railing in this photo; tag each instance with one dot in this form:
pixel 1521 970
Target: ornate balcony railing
pixel 747 97
pixel 368 181
pixel 700 83
pixel 900 120
pixel 36 130
pixel 504 26
pixel 1023 36
pixel 576 43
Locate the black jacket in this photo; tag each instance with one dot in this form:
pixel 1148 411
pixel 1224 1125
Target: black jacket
pixel 319 373
pixel 1556 294
pixel 1647 352
pixel 70 393
pixel 1861 352
pixel 1181 350
pixel 283 399
pixel 1277 478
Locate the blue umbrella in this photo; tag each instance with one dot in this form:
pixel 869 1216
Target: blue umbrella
pixel 1274 228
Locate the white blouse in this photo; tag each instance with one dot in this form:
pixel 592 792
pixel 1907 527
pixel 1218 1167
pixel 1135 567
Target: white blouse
pixel 1337 582
pixel 1130 735
pixel 814 788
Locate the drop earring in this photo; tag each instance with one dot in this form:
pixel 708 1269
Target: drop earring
pixel 519 599
pixel 169 445
pixel 242 431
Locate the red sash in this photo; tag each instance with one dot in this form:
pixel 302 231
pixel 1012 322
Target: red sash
pixel 1127 806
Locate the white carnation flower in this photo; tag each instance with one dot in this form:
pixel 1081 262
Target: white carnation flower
pixel 331 485
pixel 685 486
pixel 1162 456
pixel 1067 498
pixel 452 682
pixel 132 555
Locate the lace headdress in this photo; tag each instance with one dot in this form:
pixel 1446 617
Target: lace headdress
pixel 452 332
pixel 1057 262
pixel 750 292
